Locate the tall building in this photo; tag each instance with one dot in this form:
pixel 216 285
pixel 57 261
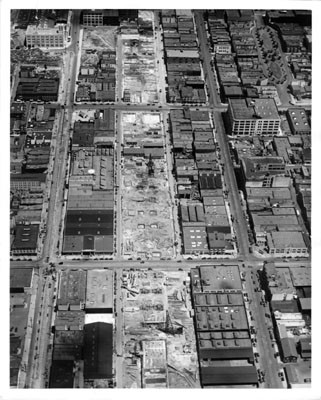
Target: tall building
pixel 248 117
pixel 44 36
pixel 100 17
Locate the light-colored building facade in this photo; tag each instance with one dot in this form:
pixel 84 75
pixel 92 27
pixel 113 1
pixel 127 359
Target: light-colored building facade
pixel 253 117
pixel 37 36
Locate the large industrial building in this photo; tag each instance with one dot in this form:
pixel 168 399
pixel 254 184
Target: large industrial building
pixel 89 232
pixel 98 351
pixel 53 37
pixel 248 117
pixel 72 290
pixel 221 325
pixel 99 292
pixel 89 219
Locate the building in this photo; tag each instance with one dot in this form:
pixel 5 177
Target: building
pixel 61 374
pixel 38 89
pixel 262 169
pixel 222 331
pixel 195 240
pixel 291 375
pixel 89 231
pixel 154 364
pixel 216 278
pixel 288 350
pixel 107 17
pixel 287 243
pixel 223 376
pixel 20 279
pixel 40 36
pixel 298 121
pixel 305 347
pixel 73 320
pixel 98 351
pixel 248 117
pixel 27 181
pixel 99 292
pixel 72 290
pixel 68 345
pixel 25 241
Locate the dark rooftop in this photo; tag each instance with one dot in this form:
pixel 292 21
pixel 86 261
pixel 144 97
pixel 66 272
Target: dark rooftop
pixel 241 375
pixel 98 351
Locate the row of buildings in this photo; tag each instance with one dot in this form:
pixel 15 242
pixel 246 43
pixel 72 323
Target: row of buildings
pixel 36 85
pixel 222 331
pixel 294 30
pixel 274 214
pixel 30 147
pixel 289 291
pixel 203 209
pixel 89 220
pixel 235 54
pixel 184 72
pixel 83 330
pixel 97 82
pixel 21 281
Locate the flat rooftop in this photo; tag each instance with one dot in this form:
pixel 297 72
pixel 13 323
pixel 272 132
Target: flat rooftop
pixel 215 278
pixel 99 293
pixel 286 239
pixel 301 276
pixel 26 237
pixel 72 287
pixel 20 278
pixel 221 318
pixel 218 299
pixel 254 108
pixel 240 375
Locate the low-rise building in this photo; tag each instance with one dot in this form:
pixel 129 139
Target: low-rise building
pixel 288 350
pixel 298 121
pixel 287 243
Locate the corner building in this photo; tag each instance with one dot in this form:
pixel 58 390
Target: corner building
pixel 248 117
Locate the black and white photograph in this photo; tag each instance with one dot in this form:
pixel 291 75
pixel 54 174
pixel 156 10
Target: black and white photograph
pixel 159 168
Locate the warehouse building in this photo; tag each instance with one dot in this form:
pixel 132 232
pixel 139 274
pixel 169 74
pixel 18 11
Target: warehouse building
pixel 222 331
pixel 225 376
pixel 98 351
pixel 287 243
pixel 48 37
pixel 99 292
pixel 305 347
pixel 248 117
pixel 88 232
pixel 72 290
pixel 20 279
pixel 195 240
pixel 61 374
pixel 25 240
pixel 68 345
pixel 288 350
pixel 298 121
pixel 37 88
